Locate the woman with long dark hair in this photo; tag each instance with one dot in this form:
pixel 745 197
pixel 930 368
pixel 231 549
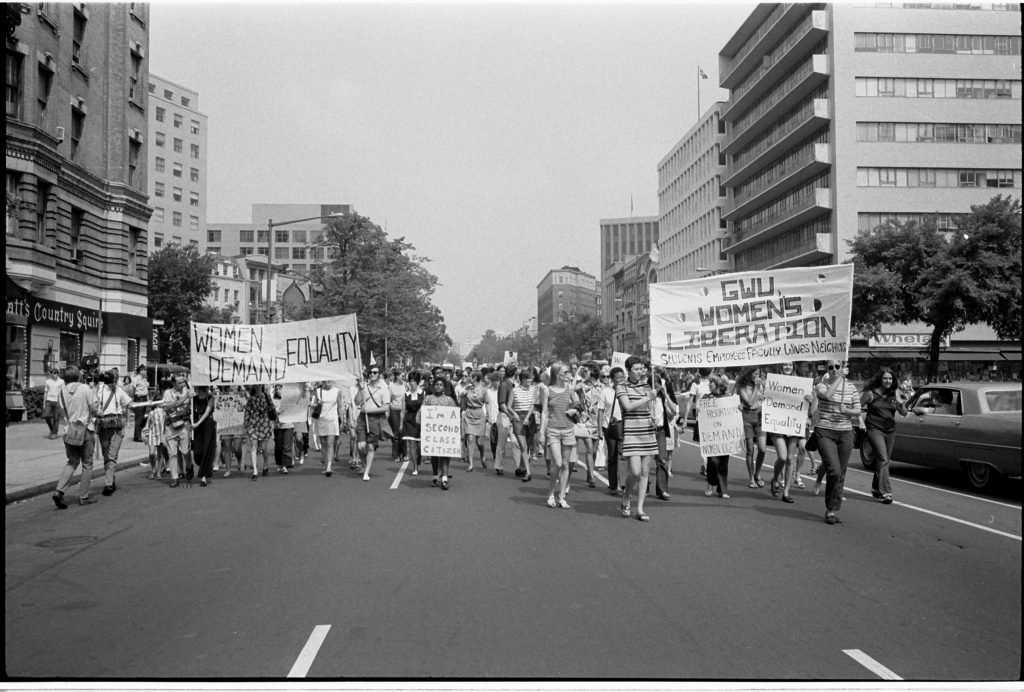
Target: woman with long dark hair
pixel 259 428
pixel 881 401
pixel 204 433
pixel 639 442
pixel 786 450
pixel 410 424
pixel 750 387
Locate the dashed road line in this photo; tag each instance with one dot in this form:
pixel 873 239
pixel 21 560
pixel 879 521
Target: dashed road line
pixel 871 664
pixel 401 472
pixel 309 652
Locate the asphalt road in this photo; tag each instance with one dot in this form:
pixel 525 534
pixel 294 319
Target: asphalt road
pixel 306 576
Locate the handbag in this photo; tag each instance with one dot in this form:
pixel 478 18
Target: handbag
pixel 601 455
pixel 271 411
pixel 581 430
pixel 812 442
pixel 318 407
pixel 616 428
pixel 76 431
pixel 858 437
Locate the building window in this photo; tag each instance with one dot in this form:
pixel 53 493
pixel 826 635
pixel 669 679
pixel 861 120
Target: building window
pixel 161 139
pixel 245 236
pixel 261 236
pixel 43 97
pixel 298 253
pixel 280 236
pixel 158 190
pixel 178 120
pixel 212 250
pixel 213 236
pixel 134 235
pixel 194 127
pixel 14 86
pixel 177 145
pixel 280 253
pixel 185 101
pixel 193 223
pixel 195 150
pixel 133 78
pixel 176 219
pixel 194 175
pixel 77 224
pixel 134 148
pixel 245 251
pixel 168 94
pixel 263 250
pixel 176 194
pixel 158 240
pixel 177 170
pixel 152 88
pixel 160 164
pixel 77 36
pixel 77 127
pixel 193 199
pixel 158 214
pixel 42 202
pixel 161 113
pixel 298 236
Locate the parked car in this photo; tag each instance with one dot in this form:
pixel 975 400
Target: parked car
pixel 974 427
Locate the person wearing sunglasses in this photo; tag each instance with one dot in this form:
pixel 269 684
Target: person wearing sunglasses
pixel 838 406
pixel 371 406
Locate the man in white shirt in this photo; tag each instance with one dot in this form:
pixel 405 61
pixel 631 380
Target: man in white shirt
pixel 139 392
pixel 51 402
pixel 371 406
pixel 111 405
pixel 178 433
pixel 76 402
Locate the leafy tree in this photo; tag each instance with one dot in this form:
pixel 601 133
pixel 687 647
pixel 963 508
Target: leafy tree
pixel 214 315
pixel 579 334
pixel 384 284
pixel 908 272
pixel 179 282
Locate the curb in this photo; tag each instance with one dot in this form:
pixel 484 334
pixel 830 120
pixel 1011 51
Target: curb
pixel 38 489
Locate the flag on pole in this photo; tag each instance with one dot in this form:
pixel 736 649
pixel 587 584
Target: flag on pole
pixel 373 361
pixel 701 73
pixel 655 254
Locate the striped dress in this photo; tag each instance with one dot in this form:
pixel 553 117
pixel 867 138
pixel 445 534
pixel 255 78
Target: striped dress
pixel 639 439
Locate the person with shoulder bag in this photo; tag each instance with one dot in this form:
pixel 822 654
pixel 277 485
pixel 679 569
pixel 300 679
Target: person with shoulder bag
pixel 111 403
pixel 76 407
pixel 611 424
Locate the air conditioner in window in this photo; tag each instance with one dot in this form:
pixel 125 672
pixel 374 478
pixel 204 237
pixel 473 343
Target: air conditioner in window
pixel 60 135
pixel 78 255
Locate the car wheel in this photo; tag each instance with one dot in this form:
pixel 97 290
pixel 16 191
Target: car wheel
pixel 867 456
pixel 979 475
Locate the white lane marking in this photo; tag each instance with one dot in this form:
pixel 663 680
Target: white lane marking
pixel 309 652
pixel 871 664
pixel 944 490
pixel 401 472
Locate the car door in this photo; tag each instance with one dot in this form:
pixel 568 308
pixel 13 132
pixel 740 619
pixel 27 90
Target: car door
pixel 930 436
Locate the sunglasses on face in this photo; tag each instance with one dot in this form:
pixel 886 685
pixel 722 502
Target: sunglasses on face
pixel 375 372
pixel 833 367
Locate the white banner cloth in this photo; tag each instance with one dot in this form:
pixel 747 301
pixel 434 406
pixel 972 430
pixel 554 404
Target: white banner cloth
pixel 752 318
pixel 305 351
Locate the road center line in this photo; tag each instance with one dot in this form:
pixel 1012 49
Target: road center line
pixel 401 472
pixel 871 664
pixel 309 652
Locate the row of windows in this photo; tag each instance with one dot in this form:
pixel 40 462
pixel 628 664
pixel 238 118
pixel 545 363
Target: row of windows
pixel 787 122
pixel 898 5
pixel 176 218
pixel 800 156
pixel 176 194
pixel 938 88
pixel 936 43
pixel 786 245
pixel 937 177
pixel 161 166
pixel 161 140
pixel 781 207
pixel 794 76
pixel 963 133
pixel 161 115
pixel 868 221
pixel 169 95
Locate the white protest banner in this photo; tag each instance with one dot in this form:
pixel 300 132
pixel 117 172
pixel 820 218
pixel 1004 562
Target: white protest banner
pixel 326 348
pixel 721 426
pixel 752 318
pixel 784 409
pixel 619 360
pixel 441 431
pixel 294 402
pixel 229 413
pixel 511 358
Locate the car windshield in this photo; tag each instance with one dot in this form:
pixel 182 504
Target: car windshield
pixel 1004 400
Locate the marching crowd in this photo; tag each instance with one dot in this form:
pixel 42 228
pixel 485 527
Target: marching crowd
pixel 628 420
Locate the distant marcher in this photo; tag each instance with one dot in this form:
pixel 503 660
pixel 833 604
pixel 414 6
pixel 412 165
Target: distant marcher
pixel 140 393
pixel 204 433
pixel 718 466
pixel 639 443
pixel 326 424
pixel 371 408
pixel 258 420
pixel 437 397
pixel 838 405
pixel 177 432
pixel 556 427
pixel 111 406
pixel 881 401
pixel 51 401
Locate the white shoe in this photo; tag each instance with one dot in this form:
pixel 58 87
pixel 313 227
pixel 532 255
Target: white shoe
pixel 415 472
pixel 551 502
pixel 563 504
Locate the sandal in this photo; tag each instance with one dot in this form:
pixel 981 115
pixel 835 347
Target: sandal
pixel 708 491
pixel 832 519
pixel 799 483
pixel 624 509
pixel 643 517
pixel 787 498
pixel 760 483
pixel 886 499
pixel 752 484
pixel 775 489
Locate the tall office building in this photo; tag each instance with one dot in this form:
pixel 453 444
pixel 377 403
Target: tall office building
pixel 563 294
pixel 177 165
pixel 622 239
pixel 690 197
pixel 75 263
pixel 842 116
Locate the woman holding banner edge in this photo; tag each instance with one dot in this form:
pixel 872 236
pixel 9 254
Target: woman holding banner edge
pixel 786 449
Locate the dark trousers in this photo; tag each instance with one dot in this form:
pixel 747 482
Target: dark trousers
pixel 835 447
pixel 718 472
pixel 397 443
pixel 612 461
pixel 140 418
pixel 661 473
pixel 284 439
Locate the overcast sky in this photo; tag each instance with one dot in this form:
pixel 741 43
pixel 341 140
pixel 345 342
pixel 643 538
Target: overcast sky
pixel 492 137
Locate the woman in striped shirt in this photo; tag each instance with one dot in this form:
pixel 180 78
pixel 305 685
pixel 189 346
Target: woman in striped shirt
pixel 838 405
pixel 639 442
pixel 560 406
pixel 523 424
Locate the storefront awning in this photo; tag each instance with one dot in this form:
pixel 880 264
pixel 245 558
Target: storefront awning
pixel 969 355
pixel 1011 355
pixel 897 354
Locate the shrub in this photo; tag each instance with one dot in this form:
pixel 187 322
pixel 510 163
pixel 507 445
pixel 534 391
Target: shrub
pixel 33 401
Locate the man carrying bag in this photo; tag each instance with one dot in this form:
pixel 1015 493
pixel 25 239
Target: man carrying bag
pixel 76 406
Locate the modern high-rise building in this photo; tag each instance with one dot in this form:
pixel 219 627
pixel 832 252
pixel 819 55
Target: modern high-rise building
pixel 77 212
pixel 564 294
pixel 177 165
pixel 622 239
pixel 842 116
pixel 690 196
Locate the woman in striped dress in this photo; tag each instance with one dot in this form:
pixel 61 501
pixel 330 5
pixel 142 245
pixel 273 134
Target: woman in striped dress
pixel 639 442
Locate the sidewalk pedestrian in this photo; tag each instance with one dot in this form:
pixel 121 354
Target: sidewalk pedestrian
pixel 140 392
pixel 111 405
pixel 51 403
pixel 76 402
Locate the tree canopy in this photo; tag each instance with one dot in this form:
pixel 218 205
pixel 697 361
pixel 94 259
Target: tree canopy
pixel 581 334
pixel 909 272
pixel 179 282
pixel 384 284
pixel 492 348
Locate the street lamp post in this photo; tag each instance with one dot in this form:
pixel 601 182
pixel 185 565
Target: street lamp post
pixel 270 250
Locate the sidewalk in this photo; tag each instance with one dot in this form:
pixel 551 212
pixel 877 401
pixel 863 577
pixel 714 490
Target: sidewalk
pixel 33 463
